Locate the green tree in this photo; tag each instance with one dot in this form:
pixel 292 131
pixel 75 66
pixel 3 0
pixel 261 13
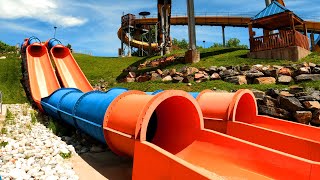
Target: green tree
pixel 233 42
pixel 69 46
pixel 182 44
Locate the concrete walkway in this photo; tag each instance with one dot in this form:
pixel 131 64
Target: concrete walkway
pixel 101 166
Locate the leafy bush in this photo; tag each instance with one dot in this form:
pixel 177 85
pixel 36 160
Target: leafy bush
pixel 4 48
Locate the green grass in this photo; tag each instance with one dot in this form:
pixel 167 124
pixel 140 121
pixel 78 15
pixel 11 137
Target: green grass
pixel 110 68
pixel 65 155
pixel 10 75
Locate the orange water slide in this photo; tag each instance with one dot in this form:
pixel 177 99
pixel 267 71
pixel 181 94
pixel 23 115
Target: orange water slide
pixel 42 78
pixel 236 114
pixel 165 135
pixel 135 43
pixel 68 70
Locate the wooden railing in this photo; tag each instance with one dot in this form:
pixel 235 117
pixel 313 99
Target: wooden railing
pixel 279 40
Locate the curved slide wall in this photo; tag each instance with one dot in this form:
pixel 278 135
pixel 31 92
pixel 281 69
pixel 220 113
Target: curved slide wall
pixel 42 78
pixel 68 70
pixel 236 114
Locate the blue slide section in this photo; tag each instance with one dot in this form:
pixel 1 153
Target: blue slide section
pixel 84 111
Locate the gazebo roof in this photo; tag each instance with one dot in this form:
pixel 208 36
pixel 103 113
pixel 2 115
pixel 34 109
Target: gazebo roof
pixel 275 16
pixel 272 9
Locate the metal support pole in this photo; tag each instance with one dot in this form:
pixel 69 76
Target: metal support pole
pixel 268 2
pixel 223 37
pixel 122 43
pixel 191 25
pixel 192 55
pixel 312 40
pixel 149 36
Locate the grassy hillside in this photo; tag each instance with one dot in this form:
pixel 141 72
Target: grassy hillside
pixel 10 76
pixel 108 69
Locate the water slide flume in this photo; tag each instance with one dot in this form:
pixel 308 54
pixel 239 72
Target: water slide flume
pixel 67 68
pixel 236 114
pixel 164 131
pixel 42 78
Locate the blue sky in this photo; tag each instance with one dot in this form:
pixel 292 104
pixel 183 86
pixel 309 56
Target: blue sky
pixel 91 26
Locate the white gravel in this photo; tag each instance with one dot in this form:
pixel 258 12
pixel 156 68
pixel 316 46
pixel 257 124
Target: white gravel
pixel 33 151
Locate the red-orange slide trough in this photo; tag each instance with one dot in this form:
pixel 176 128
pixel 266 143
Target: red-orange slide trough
pixel 236 114
pixel 165 135
pixel 42 78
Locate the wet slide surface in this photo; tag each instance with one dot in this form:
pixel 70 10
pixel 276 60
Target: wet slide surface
pixel 42 78
pixel 68 70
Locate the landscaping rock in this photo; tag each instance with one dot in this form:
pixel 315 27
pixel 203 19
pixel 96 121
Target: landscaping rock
pixel 285 71
pixel 283 79
pixel 165 72
pixel 295 89
pixel 177 79
pixel 291 104
pixel 155 77
pixel 132 74
pixel 286 94
pixel 245 68
pixel 215 76
pixel 258 94
pixel 239 80
pixel 253 74
pixel 213 69
pixel 198 75
pixel 159 71
pixel 273 93
pixel 167 78
pixel 307 77
pixel 312 65
pixel 172 72
pixel 187 79
pixel 265 80
pixel 192 70
pixel 307 98
pixel 3 57
pixel 257 67
pixel 274 112
pixel 143 78
pixel 228 73
pixel 303 117
pixel 311 104
pixel 269 101
pixel 222 68
pixel 128 79
pixel 316 70
pixel 315 121
pixel 304 70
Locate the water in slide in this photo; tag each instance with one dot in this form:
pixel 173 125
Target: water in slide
pixel 42 78
pixel 68 70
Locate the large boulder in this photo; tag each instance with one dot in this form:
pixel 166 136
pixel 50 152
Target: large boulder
pixel 239 80
pixel 285 71
pixel 167 78
pixel 311 104
pixel 228 73
pixel 264 80
pixel 274 112
pixel 315 121
pixel 291 104
pixel 303 117
pixel 307 77
pixel 270 101
pixel 283 79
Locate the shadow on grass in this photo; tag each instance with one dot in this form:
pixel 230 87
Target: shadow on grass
pixel 218 52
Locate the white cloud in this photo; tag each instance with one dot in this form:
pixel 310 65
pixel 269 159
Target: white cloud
pixel 43 10
pixel 16 27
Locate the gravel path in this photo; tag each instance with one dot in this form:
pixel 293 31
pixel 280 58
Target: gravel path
pixel 29 150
